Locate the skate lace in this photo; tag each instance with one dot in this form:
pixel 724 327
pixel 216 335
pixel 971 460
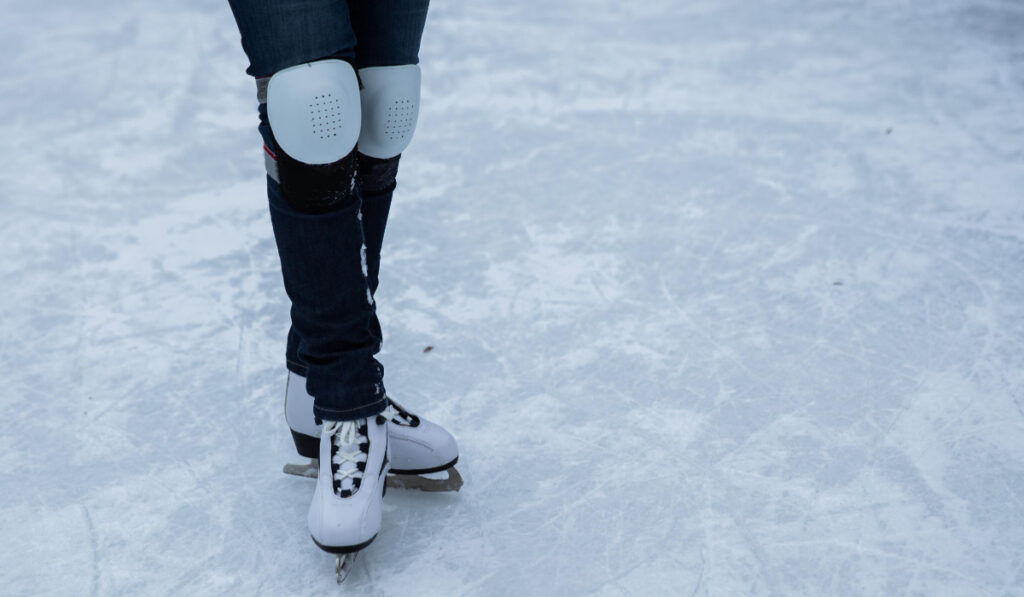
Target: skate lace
pixel 348 455
pixel 394 412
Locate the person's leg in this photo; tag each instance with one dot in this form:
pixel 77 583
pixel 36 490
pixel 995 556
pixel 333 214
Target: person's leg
pixel 314 207
pixel 389 34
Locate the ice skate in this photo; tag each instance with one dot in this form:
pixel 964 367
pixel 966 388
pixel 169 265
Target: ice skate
pixel 423 454
pixel 345 514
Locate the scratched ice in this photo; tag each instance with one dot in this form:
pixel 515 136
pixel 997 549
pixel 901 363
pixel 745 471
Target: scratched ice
pixel 726 298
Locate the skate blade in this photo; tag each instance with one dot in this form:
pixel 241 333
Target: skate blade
pixel 450 481
pixel 343 566
pixel 310 469
pixel 446 480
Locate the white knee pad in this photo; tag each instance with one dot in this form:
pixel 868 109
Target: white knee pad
pixel 391 104
pixel 314 110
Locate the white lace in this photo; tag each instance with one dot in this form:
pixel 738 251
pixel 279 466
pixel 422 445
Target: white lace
pixel 346 435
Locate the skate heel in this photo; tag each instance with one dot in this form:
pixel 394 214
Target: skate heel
pixel 306 445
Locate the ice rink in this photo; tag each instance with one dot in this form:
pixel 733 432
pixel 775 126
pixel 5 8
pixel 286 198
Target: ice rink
pixel 726 297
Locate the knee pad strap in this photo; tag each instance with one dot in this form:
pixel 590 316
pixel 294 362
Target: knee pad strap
pixel 317 188
pixel 376 175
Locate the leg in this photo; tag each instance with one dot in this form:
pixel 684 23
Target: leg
pixel 375 179
pixel 310 120
pixel 389 33
pixel 314 209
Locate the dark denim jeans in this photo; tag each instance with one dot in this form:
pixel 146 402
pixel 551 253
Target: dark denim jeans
pixel 335 332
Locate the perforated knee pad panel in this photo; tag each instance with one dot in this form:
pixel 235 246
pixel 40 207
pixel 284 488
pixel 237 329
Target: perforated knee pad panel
pixel 390 104
pixel 314 110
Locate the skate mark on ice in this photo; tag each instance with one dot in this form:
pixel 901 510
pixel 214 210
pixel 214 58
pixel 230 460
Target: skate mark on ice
pixel 93 545
pixel 860 549
pixel 700 577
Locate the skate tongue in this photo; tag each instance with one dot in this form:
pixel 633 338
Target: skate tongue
pixel 347 456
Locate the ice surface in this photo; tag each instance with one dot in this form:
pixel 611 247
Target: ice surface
pixel 726 298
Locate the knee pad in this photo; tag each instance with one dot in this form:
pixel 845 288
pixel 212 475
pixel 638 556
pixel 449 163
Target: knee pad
pixel 390 105
pixel 314 114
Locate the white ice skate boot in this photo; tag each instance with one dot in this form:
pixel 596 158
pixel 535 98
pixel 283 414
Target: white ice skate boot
pixel 345 514
pixel 418 446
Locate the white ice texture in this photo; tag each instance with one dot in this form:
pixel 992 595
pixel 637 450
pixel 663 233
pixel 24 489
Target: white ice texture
pixel 726 297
